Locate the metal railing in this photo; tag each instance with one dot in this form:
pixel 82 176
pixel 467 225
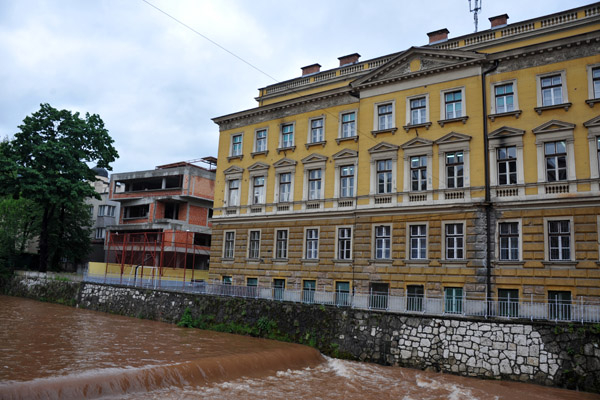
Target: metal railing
pixel 574 311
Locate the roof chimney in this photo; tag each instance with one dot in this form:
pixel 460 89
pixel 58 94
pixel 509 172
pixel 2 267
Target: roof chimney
pixel 438 36
pixel 311 69
pixel 349 59
pixel 499 20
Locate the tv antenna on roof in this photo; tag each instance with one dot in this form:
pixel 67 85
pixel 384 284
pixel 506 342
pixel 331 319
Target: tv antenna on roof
pixel 475 9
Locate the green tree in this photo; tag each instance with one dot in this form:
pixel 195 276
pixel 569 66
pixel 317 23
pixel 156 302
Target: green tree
pixel 50 154
pixel 18 225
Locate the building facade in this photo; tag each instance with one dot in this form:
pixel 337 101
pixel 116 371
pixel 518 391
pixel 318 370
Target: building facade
pixel 164 219
pixel 467 167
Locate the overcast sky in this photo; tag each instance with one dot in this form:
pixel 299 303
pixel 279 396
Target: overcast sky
pixel 157 84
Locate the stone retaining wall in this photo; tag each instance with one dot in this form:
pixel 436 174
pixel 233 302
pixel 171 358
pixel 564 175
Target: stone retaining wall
pixel 562 355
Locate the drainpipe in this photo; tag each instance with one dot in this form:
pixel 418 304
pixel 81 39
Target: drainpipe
pixel 487 202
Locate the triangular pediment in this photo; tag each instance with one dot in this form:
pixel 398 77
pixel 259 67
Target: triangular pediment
pixel 594 122
pixel 383 147
pixel 258 166
pixel 553 126
pixel 314 158
pixel 505 131
pixel 453 137
pixel 416 143
pixel 427 60
pixel 285 162
pixel 345 153
pixel 234 169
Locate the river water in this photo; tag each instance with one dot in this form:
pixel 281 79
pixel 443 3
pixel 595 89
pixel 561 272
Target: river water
pixel 49 351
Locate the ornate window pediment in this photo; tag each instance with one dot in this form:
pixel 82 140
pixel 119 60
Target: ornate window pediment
pixel 234 169
pixel 505 131
pixel 285 162
pixel 345 153
pixel 417 143
pixel 314 158
pixel 453 137
pixel 383 147
pixel 553 126
pixel 258 166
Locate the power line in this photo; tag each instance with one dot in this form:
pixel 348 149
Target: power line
pixel 209 39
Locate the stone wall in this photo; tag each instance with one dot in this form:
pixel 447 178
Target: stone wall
pixel 562 355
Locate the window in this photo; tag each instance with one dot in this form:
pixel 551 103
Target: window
pixel 559 303
pixel 260 140
pixel 418 111
pixel 347 181
pixel 556 161
pixel 414 297
pixel 382 242
pixel 384 176
pixel 344 243
pixel 234 192
pixel 342 293
pixel 598 150
pixel 227 280
pixel 504 98
pixel 453 299
pixel 106 211
pixel 559 240
pixel 454 170
pixel 285 186
pixel 552 91
pixel 596 82
pixel 507 165
pixel 171 211
pixel 287 135
pixel 281 245
pixel 236 145
pixel 378 295
pixel 418 173
pixel 278 289
pixel 453 104
pixel 316 130
pixel 454 241
pixel 258 184
pixel 348 125
pixel 136 211
pixel 418 242
pixel 308 290
pixel 252 282
pixel 312 244
pixel 314 184
pixel 254 245
pixel 508 235
pixel 252 287
pixel 385 116
pixel 229 244
pixel 100 233
pixel 508 300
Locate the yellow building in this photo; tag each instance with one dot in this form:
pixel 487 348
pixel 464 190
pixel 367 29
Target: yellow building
pixel 464 168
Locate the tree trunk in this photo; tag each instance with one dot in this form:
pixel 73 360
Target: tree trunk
pixel 44 234
pixel 58 251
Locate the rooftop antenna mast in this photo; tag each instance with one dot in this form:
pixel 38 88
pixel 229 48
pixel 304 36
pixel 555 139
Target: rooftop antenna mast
pixel 475 9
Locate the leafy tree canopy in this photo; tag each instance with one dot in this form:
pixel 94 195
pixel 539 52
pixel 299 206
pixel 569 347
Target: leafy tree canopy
pixel 47 163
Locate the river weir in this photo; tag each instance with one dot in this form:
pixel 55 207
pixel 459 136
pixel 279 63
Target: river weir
pixel 50 351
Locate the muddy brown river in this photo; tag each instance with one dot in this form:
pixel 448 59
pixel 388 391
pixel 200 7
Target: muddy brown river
pixel 50 351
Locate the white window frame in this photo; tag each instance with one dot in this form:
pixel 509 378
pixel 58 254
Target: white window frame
pixel 276 241
pixel 445 237
pixel 342 179
pixel 256 149
pixel 309 138
pixel 248 254
pixel 409 120
pixel 508 141
pixel 311 166
pixel 376 125
pixel 281 133
pixel 591 94
pixel 563 82
pixel 493 85
pixel 519 223
pixel 228 192
pixel 232 152
pixel 409 241
pixel 282 170
pixel 374 240
pixel 341 123
pixel 252 188
pixel 305 243
pixel 557 135
pixel 225 245
pixel 342 161
pixel 385 153
pixel 571 238
pixel 100 233
pixel 462 101
pixel 337 243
